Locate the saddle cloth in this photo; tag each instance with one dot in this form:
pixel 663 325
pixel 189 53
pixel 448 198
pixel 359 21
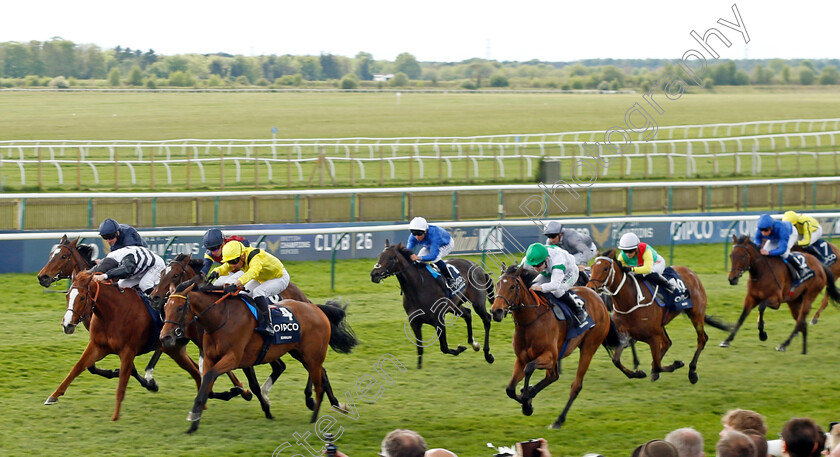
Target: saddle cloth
pixel 563 313
pixel 678 301
pixel 157 323
pixel 286 325
pixel 806 274
pixel 460 283
pixel 826 255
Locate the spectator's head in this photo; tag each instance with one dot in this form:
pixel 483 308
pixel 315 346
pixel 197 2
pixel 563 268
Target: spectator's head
pixel 742 420
pixel 656 448
pixel 799 437
pixel 403 443
pixel 735 444
pixel 689 442
pixel 821 439
pixel 760 442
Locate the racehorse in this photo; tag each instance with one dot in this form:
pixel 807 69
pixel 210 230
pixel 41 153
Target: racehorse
pixel 119 324
pixel 835 271
pixel 183 268
pixel 770 286
pixel 425 302
pixel 230 341
pixel 643 320
pixel 67 259
pixel 539 339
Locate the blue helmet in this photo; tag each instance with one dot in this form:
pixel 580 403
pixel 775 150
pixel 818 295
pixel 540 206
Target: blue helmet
pixel 765 221
pixel 108 227
pixel 213 239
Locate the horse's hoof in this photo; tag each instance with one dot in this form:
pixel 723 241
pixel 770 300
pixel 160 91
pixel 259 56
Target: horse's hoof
pixel 193 417
pixel 247 395
pixel 640 374
pixel 527 408
pixel 692 377
pixel 762 336
pixel 781 348
pixel 51 401
pixel 476 346
pixel 724 344
pixel 192 428
pixel 342 408
pixel 814 321
pixel 654 376
pixel 461 348
pixel 153 386
pixel 489 358
pixel 678 364
pixel 556 425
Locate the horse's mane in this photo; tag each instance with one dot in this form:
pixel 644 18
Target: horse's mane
pixel 528 276
pixel 197 279
pixel 610 253
pixel 195 264
pixel 743 239
pixel 86 251
pixel 403 250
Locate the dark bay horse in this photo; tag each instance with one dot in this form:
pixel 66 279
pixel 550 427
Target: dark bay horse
pixel 119 324
pixel 645 320
pixel 834 269
pixel 230 341
pixel 67 259
pixel 425 301
pixel 539 338
pixel 769 286
pixel 184 268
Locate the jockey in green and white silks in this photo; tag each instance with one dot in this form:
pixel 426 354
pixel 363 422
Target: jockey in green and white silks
pixel 558 272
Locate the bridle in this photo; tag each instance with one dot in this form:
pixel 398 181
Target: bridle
pixel 70 257
pixel 389 270
pixel 746 255
pixel 603 288
pixel 182 323
pixel 515 304
pixel 80 316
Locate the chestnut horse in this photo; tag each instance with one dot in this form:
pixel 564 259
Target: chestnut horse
pixel 230 341
pixel 183 268
pixel 119 324
pixel 769 286
pixel 425 302
pixel 645 321
pixel 67 259
pixel 539 339
pixel 834 269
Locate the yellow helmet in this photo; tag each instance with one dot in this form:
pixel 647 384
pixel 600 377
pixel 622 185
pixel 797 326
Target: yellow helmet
pixel 232 250
pixel 790 216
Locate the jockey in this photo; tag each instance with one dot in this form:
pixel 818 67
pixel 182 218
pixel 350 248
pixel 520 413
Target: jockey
pixel 262 274
pixel 643 260
pixel 808 229
pixel 133 266
pixel 120 235
pixel 580 246
pixel 435 243
pixel 213 241
pixel 780 237
pixel 557 274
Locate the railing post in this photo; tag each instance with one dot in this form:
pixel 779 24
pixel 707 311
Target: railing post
pixel 352 207
pixel 726 245
pixel 22 214
pixel 332 262
pixel 671 242
pixel 620 228
pixel 90 213
pixel 454 205
pixel 154 212
pixel 501 204
pixel 216 211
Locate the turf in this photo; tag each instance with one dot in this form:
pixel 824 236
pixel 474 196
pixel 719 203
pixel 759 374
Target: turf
pixel 454 402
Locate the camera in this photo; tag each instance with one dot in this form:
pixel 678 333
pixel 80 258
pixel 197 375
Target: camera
pixel 331 448
pixel 528 448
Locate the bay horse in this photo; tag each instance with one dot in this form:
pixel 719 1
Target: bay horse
pixel 770 286
pixel 119 324
pixel 230 341
pixel 67 259
pixel 643 320
pixel 425 302
pixel 539 339
pixel 834 269
pixel 183 268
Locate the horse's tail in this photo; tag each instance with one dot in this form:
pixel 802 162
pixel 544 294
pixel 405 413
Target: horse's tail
pixel 342 337
pixel 717 323
pixel 831 288
pixel 613 340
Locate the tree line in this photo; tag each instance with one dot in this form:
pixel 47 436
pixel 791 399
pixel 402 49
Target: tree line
pixel 61 63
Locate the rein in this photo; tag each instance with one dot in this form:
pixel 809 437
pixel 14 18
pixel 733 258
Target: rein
pixel 752 262
pixel 612 293
pixel 182 324
pixel 512 305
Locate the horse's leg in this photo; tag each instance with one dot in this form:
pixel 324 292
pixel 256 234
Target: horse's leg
pixel 179 355
pixel 316 374
pixel 616 359
pixel 416 327
pixel 254 384
pixel 635 358
pixel 823 305
pixel 277 368
pixel 109 374
pixel 698 320
pixel 126 362
pixel 762 335
pixel 677 363
pixel 330 395
pixel 225 364
pixel 91 355
pixel 148 384
pixel 486 320
pixel 238 389
pixel 749 303
pixel 307 390
pixel 799 310
pixel 150 369
pixel 466 314
pixel 444 346
pixel 518 374
pixel 587 350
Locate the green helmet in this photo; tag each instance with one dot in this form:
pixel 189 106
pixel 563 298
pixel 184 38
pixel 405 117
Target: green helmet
pixel 536 254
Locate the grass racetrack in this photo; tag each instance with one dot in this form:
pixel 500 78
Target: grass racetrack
pixel 455 402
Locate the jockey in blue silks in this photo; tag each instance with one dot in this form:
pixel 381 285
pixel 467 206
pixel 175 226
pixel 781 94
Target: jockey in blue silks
pixel 435 243
pixel 779 237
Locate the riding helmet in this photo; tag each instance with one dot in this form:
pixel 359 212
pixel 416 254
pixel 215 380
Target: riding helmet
pixel 418 223
pixel 765 221
pixel 108 227
pixel 213 239
pixel 232 250
pixel 536 254
pixel 628 241
pixel 790 216
pixel 553 228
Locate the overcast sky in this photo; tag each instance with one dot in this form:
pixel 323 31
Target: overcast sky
pixel 432 30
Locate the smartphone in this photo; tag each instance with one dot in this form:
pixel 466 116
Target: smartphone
pixel 528 448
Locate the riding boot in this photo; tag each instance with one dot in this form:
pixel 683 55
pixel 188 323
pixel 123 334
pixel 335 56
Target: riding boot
pixel 794 271
pixel 264 324
pixel 447 276
pixel 579 309
pixel 660 281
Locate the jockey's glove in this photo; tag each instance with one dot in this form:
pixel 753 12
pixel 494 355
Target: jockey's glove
pixel 230 288
pixel 214 275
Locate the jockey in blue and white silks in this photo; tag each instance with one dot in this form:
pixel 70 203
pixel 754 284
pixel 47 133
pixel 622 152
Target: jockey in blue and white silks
pixel 775 238
pixel 435 244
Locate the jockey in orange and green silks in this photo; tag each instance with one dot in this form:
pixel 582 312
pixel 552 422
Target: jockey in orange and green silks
pixel 642 259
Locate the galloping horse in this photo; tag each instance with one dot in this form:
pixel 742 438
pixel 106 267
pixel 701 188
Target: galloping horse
pixel 67 259
pixel 834 269
pixel 539 339
pixel 425 301
pixel 643 320
pixel 769 286
pixel 230 341
pixel 119 324
pixel 183 268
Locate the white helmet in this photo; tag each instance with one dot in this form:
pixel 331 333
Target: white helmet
pixel 418 223
pixel 628 241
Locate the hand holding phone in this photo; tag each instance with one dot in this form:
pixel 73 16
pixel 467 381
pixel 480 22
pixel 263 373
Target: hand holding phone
pixel 528 448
